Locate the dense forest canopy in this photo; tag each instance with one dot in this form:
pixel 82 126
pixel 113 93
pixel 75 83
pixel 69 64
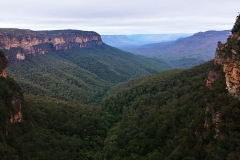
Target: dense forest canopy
pixel 80 74
pixel 156 117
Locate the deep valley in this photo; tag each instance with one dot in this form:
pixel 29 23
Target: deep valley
pixel 65 94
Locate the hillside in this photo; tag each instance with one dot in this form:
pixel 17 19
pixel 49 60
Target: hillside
pixel 55 129
pixel 169 116
pixel 185 52
pixel 38 127
pixel 189 114
pixel 80 74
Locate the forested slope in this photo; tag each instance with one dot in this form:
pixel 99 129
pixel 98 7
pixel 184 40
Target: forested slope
pixel 55 129
pixel 80 74
pixel 165 116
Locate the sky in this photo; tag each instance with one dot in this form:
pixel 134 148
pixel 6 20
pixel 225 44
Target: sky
pixel 120 17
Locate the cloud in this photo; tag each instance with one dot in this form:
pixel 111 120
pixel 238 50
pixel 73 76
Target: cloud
pixel 120 17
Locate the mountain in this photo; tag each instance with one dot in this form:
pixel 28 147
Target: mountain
pixel 119 41
pixel 70 64
pixel 156 38
pixel 135 40
pixel 185 52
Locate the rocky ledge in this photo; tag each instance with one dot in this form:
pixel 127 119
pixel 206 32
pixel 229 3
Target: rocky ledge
pixel 228 55
pixel 20 42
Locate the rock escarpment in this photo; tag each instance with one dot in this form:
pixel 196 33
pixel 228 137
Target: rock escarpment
pixel 228 55
pixel 19 43
pixel 10 95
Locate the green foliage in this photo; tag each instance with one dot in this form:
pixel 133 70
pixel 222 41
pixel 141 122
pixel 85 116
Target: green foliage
pixel 55 129
pixel 160 116
pixel 82 74
pixel 187 62
pixel 8 88
pixel 163 116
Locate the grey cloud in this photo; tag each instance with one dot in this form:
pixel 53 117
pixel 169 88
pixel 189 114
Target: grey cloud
pixel 120 17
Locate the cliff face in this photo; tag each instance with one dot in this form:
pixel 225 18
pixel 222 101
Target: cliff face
pixel 12 98
pixel 19 42
pixel 211 78
pixel 3 65
pixel 228 55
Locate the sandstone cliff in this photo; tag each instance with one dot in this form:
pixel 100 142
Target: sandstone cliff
pixel 11 98
pixel 19 43
pixel 228 55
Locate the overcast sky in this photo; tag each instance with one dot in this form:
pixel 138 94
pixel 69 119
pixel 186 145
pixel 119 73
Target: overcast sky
pixel 120 16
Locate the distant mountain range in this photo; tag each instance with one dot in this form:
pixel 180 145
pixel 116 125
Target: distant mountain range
pixel 124 41
pixel 183 52
pixel 119 41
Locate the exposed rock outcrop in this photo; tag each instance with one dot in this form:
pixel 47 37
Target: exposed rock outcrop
pixel 211 77
pixel 19 43
pixel 213 115
pixel 228 55
pixel 12 98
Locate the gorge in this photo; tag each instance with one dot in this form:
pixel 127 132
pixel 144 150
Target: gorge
pixel 85 103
